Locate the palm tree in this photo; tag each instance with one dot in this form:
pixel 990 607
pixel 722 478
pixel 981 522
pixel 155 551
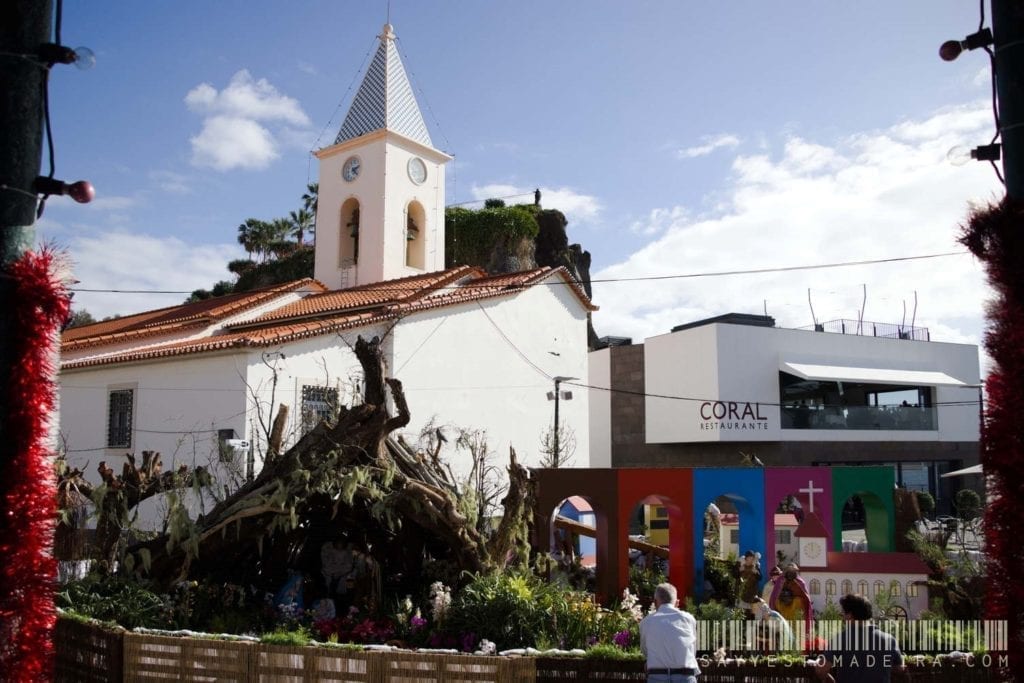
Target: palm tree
pixel 302 222
pixel 248 234
pixel 309 199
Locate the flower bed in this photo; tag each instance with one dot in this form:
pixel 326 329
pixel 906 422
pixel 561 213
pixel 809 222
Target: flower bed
pixel 94 653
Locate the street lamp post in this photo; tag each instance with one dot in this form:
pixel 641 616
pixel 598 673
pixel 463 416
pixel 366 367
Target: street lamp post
pixel 555 452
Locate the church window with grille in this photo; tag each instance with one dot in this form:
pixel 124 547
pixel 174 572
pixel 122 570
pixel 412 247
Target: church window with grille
pixel 318 404
pixel 119 418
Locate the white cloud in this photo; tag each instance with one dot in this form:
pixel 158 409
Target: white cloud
pixel 876 195
pixel 235 131
pixel 226 143
pixel 658 220
pixel 171 182
pixel 246 98
pixel 112 261
pixel 578 208
pixel 709 143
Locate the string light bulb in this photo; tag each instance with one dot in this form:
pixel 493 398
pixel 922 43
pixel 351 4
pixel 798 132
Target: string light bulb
pixel 85 58
pixel 81 191
pixel 960 155
pixel 81 57
pixel 951 49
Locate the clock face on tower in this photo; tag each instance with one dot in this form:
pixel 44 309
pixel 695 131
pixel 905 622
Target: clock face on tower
pixel 351 168
pixel 417 170
pixel 812 549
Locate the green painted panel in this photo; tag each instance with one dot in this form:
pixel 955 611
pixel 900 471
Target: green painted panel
pixel 874 485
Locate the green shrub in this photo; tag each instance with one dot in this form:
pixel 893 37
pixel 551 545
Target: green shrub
pixel 643 581
pixel 299 636
pixel 722 575
pixel 712 610
pixel 614 652
pixel 967 503
pixel 509 609
pixel 110 598
pixel 926 502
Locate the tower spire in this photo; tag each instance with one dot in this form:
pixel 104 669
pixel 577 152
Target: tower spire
pixel 385 99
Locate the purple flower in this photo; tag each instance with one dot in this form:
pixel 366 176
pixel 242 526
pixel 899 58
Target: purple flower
pixel 469 642
pixel 621 638
pixel 417 622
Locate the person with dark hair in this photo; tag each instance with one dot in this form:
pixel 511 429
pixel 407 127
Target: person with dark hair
pixel 860 652
pixel 668 639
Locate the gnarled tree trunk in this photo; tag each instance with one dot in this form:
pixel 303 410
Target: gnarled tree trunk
pixel 349 476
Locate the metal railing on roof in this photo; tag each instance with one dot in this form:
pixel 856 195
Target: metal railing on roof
pixel 866 328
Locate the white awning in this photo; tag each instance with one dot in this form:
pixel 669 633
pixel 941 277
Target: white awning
pixel 838 373
pixel 973 469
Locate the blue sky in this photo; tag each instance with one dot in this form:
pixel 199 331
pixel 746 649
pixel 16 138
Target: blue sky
pixel 678 137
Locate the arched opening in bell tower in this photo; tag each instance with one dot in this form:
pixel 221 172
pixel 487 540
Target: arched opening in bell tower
pixel 415 235
pixel 348 238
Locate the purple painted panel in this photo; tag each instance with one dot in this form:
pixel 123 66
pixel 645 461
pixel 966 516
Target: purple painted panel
pixel 780 482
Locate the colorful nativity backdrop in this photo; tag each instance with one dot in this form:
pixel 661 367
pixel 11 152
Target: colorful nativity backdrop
pixel 603 503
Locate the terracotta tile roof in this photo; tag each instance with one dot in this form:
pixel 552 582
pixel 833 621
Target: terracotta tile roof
pixel 365 296
pixel 332 311
pixel 184 316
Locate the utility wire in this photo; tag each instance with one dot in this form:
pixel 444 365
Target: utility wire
pixel 639 278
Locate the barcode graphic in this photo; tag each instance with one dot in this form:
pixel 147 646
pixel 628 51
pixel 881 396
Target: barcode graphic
pixel 911 635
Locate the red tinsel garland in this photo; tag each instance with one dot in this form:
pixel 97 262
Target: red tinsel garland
pixel 27 479
pixel 995 235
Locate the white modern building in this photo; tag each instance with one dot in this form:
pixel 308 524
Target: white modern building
pixel 201 382
pixel 717 391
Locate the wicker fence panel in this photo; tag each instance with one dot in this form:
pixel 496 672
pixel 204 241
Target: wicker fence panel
pixel 87 653
pixel 761 673
pixel 416 667
pixel 162 658
pixel 557 669
pixel 288 664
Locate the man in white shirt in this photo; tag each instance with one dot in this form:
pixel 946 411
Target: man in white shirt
pixel 668 639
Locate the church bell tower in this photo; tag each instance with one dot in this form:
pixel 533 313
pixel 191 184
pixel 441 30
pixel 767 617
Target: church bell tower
pixel 380 210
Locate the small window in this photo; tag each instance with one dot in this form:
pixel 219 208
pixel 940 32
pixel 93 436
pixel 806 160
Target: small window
pixel 815 587
pixel 830 587
pixel 734 536
pixel 911 589
pixel 895 589
pixel 862 588
pixel 879 587
pixel 119 418
pixel 660 511
pixel 783 536
pixel 318 404
pixel 847 587
pixel 658 524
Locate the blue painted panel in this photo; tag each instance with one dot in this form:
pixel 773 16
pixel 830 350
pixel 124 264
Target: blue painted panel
pixel 745 487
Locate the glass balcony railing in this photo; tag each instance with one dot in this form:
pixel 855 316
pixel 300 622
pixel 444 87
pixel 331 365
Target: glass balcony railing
pixel 898 418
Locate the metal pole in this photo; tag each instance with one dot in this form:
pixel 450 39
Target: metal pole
pixel 555 455
pixel 24 26
pixel 1008 36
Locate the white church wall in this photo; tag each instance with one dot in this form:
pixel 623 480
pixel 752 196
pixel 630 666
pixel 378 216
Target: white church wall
pixel 466 366
pixel 323 361
pixel 178 408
